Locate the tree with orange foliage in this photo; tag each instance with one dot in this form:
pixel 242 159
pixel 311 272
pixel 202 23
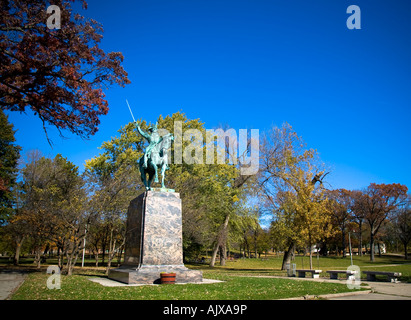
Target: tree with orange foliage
pixel 57 73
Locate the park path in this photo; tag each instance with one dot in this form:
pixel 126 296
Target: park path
pixel 382 291
pixel 378 290
pixel 9 282
pixel 384 265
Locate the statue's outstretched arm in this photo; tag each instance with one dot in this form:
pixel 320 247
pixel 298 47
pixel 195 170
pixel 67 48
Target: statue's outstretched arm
pixel 144 134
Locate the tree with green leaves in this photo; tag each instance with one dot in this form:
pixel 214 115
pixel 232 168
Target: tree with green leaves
pixel 9 156
pixel 53 207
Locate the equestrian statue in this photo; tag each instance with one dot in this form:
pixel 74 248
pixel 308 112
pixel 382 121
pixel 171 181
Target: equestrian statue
pixel 155 156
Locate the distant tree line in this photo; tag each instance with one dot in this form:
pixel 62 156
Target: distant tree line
pixel 49 206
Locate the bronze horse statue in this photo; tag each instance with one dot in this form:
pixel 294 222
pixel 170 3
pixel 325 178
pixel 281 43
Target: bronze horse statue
pixel 155 156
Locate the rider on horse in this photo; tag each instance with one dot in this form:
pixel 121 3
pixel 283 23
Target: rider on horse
pixel 153 139
pixel 156 152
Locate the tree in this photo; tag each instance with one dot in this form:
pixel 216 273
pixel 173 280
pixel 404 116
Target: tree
pixel 34 211
pixel 379 201
pixel 70 207
pixel 230 190
pixel 9 155
pixel 111 195
pixel 58 73
pixel 245 224
pixel 341 208
pixel 288 178
pixel 402 224
pixel 277 238
pixel 219 198
pixel 54 207
pixel 358 215
pixel 263 242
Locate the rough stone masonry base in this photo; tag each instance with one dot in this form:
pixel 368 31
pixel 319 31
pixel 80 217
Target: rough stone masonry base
pixel 151 274
pixel 154 242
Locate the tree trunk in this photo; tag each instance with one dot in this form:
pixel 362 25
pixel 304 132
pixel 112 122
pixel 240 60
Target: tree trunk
pixel 19 243
pixel 221 240
pixel 311 259
pixel 111 251
pixel 288 255
pixel 119 254
pixel 214 255
pixel 343 243
pixel 223 254
pixel 255 244
pixel 60 257
pixel 246 248
pixel 72 255
pixel 371 246
pixel 96 257
pixel 360 238
pixel 71 261
pixel 103 255
pixel 37 257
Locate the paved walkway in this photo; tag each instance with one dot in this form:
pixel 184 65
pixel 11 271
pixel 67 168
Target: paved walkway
pixel 9 282
pixel 382 291
pixel 378 290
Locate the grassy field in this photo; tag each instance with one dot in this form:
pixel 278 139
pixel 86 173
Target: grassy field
pixel 78 287
pixel 272 265
pixel 239 276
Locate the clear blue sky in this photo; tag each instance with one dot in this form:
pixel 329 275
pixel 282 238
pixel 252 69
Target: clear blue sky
pixel 252 64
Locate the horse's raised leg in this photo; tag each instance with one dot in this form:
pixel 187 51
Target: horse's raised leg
pixel 163 170
pixel 155 173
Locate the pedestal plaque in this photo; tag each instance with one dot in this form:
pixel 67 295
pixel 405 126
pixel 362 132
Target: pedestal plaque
pixel 154 241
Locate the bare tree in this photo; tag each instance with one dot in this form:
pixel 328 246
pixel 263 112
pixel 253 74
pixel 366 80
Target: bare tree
pixel 378 202
pixel 402 224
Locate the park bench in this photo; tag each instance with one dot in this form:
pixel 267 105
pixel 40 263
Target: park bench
pixel 392 276
pixel 349 273
pixel 314 273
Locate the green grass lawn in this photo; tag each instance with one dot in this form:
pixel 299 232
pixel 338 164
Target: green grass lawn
pixel 239 276
pixel 272 265
pixel 78 287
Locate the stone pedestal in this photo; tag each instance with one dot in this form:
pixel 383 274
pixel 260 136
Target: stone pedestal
pixel 154 241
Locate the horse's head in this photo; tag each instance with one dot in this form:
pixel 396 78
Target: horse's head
pixel 165 144
pixel 167 139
